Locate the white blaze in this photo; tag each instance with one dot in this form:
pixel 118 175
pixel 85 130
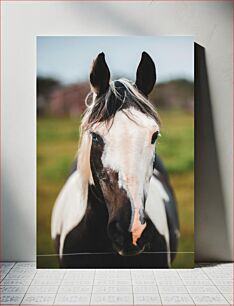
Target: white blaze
pixel 128 151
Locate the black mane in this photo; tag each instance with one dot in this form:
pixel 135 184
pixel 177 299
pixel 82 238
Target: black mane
pixel 121 95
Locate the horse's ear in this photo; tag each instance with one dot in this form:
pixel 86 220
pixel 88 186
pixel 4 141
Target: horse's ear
pixel 100 75
pixel 146 74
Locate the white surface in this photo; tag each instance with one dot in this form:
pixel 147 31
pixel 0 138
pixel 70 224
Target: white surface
pixel 209 21
pixel 174 289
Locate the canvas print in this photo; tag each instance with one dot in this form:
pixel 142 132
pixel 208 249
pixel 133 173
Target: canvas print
pixel 115 152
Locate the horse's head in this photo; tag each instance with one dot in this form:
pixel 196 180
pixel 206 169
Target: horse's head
pixel 123 127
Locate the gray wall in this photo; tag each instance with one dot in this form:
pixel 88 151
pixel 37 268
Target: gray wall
pixel 211 24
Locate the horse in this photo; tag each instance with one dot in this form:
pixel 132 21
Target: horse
pixel 117 209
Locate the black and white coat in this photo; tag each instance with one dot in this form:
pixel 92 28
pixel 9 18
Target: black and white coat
pixel 78 247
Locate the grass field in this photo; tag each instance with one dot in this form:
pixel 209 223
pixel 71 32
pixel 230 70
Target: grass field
pixel 57 140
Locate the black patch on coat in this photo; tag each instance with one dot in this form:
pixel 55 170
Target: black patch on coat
pixel 170 206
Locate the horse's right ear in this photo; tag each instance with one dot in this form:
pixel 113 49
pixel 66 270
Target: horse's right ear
pixel 100 75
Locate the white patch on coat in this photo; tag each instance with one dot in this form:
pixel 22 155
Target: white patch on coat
pixel 155 209
pixel 71 203
pixel 69 209
pixel 129 152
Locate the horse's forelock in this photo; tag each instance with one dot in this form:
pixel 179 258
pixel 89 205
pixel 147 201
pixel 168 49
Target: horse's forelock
pixel 121 95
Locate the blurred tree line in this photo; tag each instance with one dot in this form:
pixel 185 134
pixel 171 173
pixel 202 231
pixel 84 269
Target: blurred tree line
pixel 45 86
pixel 57 99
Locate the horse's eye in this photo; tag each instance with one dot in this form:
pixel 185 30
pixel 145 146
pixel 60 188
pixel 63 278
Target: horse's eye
pixel 154 137
pixel 96 138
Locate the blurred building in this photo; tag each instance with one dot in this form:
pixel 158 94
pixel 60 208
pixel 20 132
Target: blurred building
pixel 175 94
pixel 68 100
pixel 59 100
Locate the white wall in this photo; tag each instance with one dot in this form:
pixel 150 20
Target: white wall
pixel 211 24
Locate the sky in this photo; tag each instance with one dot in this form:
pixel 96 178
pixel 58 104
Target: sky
pixel 69 58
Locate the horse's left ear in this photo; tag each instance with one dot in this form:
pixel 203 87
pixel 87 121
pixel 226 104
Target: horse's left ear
pixel 100 75
pixel 146 74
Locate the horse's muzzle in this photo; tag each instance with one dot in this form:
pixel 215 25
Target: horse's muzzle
pixel 122 241
pixel 131 250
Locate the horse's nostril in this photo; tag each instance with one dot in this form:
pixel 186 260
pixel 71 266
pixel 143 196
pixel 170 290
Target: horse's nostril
pixel 115 228
pixel 116 232
pixel 119 240
pixel 118 227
